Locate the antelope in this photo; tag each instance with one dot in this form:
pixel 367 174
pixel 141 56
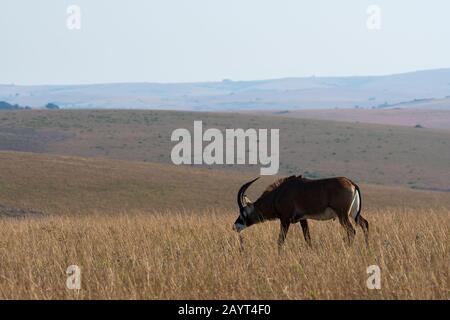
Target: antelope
pixel 297 199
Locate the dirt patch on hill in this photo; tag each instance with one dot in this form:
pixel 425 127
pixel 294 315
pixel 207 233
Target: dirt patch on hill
pixel 12 212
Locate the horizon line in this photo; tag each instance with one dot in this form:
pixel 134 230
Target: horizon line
pixel 224 80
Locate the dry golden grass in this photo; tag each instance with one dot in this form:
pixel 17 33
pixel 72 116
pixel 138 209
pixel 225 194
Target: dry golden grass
pixel 188 255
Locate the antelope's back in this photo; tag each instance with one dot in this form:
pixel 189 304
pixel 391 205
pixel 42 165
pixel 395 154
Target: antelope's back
pixel 322 193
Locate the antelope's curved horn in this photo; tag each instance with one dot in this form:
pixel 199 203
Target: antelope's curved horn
pixel 240 195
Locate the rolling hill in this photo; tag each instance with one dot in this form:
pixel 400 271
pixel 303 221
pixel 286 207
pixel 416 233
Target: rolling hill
pixel 377 154
pixel 288 93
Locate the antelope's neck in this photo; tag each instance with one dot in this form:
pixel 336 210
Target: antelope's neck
pixel 265 207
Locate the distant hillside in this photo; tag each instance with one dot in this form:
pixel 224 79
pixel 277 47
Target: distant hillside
pixel 291 93
pixel 389 155
pixel 75 185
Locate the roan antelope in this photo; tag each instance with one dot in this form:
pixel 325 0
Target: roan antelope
pixel 297 199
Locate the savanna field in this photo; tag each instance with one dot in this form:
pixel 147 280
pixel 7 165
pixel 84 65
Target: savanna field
pixel 92 192
pixel 191 255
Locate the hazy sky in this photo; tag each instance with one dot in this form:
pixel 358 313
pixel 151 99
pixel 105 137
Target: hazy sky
pixel 207 40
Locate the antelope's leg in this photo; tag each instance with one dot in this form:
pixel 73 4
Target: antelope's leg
pixel 284 228
pixel 365 226
pixel 345 222
pixel 305 229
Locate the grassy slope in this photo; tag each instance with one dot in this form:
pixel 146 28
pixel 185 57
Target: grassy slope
pixel 366 152
pixel 69 185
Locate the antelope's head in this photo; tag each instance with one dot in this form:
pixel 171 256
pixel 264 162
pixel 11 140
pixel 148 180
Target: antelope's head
pixel 247 215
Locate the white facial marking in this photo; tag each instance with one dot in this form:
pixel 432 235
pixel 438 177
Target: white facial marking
pixel 239 227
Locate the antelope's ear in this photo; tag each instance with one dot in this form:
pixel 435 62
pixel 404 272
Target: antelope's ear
pixel 247 200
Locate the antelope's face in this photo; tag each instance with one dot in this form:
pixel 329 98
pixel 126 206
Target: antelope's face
pixel 245 218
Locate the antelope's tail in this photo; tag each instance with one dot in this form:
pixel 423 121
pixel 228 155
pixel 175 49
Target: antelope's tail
pixel 358 212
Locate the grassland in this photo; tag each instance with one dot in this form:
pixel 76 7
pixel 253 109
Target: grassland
pixel 142 228
pixel 67 185
pixel 188 255
pixel 380 154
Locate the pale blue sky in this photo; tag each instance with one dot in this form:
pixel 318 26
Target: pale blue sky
pixel 208 40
